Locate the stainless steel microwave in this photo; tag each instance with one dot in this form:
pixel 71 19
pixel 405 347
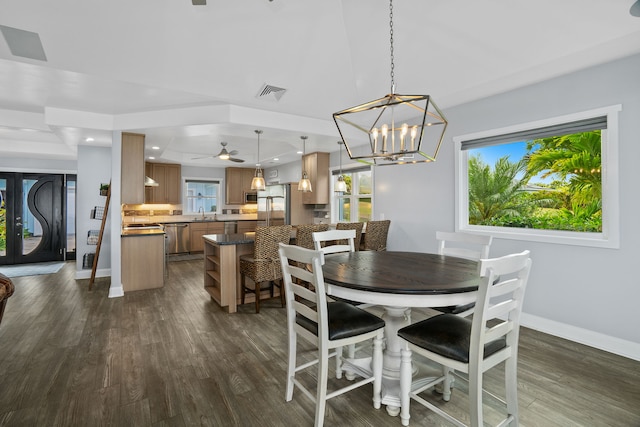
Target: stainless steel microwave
pixel 250 197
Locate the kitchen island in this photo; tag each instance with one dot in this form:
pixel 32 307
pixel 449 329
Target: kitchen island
pixel 221 267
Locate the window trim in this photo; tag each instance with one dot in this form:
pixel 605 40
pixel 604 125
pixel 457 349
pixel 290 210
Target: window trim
pixel 355 167
pixel 185 196
pixel 610 235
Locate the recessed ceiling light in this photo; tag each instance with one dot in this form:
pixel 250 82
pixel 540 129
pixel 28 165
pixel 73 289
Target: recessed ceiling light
pixel 155 148
pixel 151 158
pixel 298 152
pixel 275 159
pixel 89 139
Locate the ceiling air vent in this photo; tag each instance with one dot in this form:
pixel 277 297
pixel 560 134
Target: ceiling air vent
pixel 273 92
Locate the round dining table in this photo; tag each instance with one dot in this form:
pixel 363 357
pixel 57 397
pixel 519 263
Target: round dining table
pixel 398 281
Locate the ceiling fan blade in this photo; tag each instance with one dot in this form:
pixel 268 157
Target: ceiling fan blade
pixel 232 159
pixel 233 152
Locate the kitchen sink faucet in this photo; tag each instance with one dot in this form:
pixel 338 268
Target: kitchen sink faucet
pixel 201 209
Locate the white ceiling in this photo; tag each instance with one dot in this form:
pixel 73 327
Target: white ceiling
pixel 188 76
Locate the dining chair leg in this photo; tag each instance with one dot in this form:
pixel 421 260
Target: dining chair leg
pixel 511 388
pixel 321 393
pixel 448 381
pixel 291 369
pixel 242 288
pixel 405 385
pixel 475 395
pixel 257 292
pixel 282 299
pixel 338 362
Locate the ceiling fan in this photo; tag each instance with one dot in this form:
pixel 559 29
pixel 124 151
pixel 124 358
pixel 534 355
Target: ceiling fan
pixel 224 154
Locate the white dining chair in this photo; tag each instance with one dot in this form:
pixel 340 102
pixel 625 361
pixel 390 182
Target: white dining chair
pixel 342 241
pixel 471 346
pixel 329 325
pixel 462 245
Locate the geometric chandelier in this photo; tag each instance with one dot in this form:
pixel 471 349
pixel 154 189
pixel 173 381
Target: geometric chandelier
pixel 399 129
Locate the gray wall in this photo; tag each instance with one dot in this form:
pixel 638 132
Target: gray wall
pixel 587 294
pixel 94 168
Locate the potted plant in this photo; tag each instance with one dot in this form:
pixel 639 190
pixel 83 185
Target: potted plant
pixel 103 189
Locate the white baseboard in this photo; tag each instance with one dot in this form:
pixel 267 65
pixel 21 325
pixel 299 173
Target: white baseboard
pixel 116 291
pixel 86 274
pixel 597 340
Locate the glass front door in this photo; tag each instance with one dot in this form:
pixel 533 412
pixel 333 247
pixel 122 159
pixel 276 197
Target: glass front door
pixel 31 218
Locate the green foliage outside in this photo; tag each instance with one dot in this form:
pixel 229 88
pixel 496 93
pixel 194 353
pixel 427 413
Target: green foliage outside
pixel 3 229
pixel 502 195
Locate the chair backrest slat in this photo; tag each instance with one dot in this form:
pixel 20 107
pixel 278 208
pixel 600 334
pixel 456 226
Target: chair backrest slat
pixel 309 304
pixel 321 237
pixel 463 245
pixel 505 277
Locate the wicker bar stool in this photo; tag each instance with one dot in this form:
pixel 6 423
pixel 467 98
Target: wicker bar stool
pixel 375 237
pixel 304 234
pixel 264 264
pixel 352 226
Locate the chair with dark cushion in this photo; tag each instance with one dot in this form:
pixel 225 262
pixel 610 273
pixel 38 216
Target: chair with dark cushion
pixel 471 346
pixel 462 245
pixel 328 325
pixel 264 264
pixel 375 236
pixel 6 290
pixel 352 226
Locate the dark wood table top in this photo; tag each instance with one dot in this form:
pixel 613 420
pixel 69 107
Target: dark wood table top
pixel 408 273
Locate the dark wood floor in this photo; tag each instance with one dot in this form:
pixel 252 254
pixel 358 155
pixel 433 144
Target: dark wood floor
pixel 171 357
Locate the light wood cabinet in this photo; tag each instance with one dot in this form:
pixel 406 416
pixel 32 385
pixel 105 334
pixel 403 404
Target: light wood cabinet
pixel 142 262
pixel 222 275
pixel 317 167
pixel 237 182
pixel 169 179
pixel 246 226
pixel 199 229
pixel 132 172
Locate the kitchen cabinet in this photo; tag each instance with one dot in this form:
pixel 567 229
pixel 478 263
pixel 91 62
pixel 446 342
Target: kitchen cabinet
pixel 317 167
pixel 142 261
pixel 199 229
pixel 132 169
pixel 237 182
pixel 247 226
pixel 169 179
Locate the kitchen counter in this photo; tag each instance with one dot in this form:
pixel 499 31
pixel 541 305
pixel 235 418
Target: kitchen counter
pixel 221 267
pixel 230 239
pixel 130 233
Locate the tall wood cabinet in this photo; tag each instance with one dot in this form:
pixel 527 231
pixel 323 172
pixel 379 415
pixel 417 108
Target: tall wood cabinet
pixel 237 182
pixel 132 172
pixel 317 167
pixel 169 179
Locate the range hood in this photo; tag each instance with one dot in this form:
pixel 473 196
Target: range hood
pixel 150 182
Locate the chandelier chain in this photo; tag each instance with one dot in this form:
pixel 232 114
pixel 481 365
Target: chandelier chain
pixel 393 81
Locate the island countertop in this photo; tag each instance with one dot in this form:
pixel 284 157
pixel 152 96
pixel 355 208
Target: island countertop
pixel 230 239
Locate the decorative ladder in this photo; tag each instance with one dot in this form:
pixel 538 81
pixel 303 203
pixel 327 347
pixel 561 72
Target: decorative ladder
pixel 102 224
